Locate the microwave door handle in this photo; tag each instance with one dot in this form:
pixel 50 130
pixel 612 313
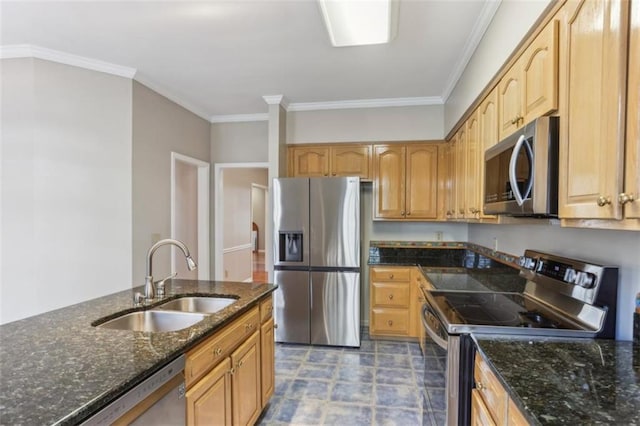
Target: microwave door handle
pixel 512 170
pixel 527 193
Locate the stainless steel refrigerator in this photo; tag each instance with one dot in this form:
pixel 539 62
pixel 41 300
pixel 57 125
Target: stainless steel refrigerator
pixel 317 260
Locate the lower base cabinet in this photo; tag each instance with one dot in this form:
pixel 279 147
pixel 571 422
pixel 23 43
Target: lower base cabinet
pixel 230 376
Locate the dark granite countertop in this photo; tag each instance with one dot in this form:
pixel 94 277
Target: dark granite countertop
pixel 454 266
pixel 568 381
pixel 58 368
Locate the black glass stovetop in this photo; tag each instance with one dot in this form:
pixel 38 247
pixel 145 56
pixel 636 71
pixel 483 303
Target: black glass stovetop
pixel 495 309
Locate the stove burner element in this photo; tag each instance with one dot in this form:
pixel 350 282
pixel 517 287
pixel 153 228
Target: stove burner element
pixel 536 319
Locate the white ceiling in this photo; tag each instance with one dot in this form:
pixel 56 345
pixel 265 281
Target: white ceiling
pixel 220 58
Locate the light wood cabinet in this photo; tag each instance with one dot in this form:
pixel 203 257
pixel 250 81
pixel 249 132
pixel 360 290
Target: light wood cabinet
pixel 330 160
pixel 246 392
pixel 405 181
pixel 594 40
pixel 450 183
pixel 460 177
pixel 395 301
pixel 230 376
pixel 488 119
pixel 209 400
pixel 530 88
pixel 472 181
pixel 490 403
pixel 630 197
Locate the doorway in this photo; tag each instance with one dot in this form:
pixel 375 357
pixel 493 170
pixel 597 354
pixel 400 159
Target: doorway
pixel 259 198
pixel 190 214
pixel 233 221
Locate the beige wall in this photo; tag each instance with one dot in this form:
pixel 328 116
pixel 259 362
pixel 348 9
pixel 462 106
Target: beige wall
pixel 236 210
pixel 239 142
pixel 366 124
pixel 160 126
pixel 65 188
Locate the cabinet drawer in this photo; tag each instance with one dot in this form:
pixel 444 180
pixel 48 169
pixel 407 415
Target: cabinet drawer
pixel 390 274
pixel 491 390
pixel 390 294
pixel 515 416
pixel 390 321
pixel 480 415
pixel 206 355
pixel 266 309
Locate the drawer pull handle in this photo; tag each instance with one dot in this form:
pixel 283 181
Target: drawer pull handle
pixel 389 323
pixel 240 364
pixel 603 201
pixel 232 371
pixel 390 276
pixel 217 351
pixel 479 386
pixel 391 296
pixel 625 198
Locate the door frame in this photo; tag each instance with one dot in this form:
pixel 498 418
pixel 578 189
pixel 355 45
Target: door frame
pixel 218 220
pixel 265 190
pixel 203 233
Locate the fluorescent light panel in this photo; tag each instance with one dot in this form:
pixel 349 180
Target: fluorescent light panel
pixel 360 22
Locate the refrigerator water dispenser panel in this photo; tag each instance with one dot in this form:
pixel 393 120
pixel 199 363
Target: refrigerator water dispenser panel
pixel 290 245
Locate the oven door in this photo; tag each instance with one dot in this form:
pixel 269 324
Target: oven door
pixel 448 372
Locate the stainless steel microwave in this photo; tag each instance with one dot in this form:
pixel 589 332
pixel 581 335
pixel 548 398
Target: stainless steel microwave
pixel 521 172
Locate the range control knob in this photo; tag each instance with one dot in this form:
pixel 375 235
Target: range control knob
pixel 570 275
pixel 584 279
pixel 527 262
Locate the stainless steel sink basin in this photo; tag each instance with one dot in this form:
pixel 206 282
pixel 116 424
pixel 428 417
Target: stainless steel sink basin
pixel 154 321
pixel 205 305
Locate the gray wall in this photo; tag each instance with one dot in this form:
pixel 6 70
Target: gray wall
pixel 65 188
pixel 244 142
pixel 160 126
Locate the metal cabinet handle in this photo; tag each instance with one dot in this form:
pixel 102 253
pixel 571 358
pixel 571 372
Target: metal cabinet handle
pixel 603 201
pixel 461 211
pixel 625 198
pixel 408 213
pixel 391 296
pixel 402 212
pixel 390 276
pixel 479 386
pixel 240 363
pixel 389 323
pixel 217 351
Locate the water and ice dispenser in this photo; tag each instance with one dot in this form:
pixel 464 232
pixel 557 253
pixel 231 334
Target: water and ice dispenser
pixel 290 247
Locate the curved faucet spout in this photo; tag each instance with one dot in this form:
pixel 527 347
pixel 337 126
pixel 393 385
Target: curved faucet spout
pixel 149 287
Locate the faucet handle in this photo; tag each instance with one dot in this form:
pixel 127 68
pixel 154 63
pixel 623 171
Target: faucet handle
pixel 160 284
pixel 138 298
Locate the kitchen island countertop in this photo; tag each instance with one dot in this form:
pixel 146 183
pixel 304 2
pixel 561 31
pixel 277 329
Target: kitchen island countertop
pixel 568 381
pixel 57 368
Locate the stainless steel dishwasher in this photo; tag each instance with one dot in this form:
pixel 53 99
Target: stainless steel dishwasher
pixel 159 400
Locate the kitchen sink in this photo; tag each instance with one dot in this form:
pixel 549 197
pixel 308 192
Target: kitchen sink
pixel 154 321
pixel 201 304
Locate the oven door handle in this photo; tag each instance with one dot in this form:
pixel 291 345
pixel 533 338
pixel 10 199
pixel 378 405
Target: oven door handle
pixel 434 336
pixel 512 171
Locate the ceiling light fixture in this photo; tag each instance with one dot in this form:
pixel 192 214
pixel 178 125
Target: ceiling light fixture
pixel 360 22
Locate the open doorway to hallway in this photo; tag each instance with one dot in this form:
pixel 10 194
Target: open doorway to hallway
pixel 240 221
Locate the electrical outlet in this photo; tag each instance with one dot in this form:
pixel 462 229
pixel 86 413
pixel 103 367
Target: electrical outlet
pixel 439 236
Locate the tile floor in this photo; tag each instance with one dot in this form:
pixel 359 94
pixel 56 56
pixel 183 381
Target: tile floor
pixel 382 383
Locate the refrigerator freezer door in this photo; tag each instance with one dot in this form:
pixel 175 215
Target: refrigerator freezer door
pixel 291 221
pixel 335 308
pixel 292 306
pixel 335 222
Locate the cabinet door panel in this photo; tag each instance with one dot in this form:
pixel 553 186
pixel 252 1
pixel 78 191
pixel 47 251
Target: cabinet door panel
pixel 351 161
pixel 310 162
pixel 472 181
pixel 389 185
pixel 267 354
pixel 422 182
pixel 209 401
pixel 540 74
pixel 488 118
pixel 510 101
pixel 592 132
pixel 245 382
pixel 632 154
pixel 461 173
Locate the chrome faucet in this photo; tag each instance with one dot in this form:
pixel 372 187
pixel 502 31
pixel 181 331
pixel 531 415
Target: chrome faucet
pixel 149 286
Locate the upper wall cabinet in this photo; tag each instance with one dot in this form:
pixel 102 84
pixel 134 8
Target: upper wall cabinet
pixel 630 198
pixel 405 182
pixel 594 73
pixel 530 88
pixel 330 160
pixel 473 182
pixel 488 119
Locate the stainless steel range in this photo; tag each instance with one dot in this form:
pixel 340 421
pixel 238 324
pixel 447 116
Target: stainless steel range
pixel 563 297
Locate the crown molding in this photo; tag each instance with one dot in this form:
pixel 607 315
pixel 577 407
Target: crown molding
pixel 30 51
pixel 366 103
pixel 477 32
pixel 163 91
pixel 276 100
pixel 238 118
